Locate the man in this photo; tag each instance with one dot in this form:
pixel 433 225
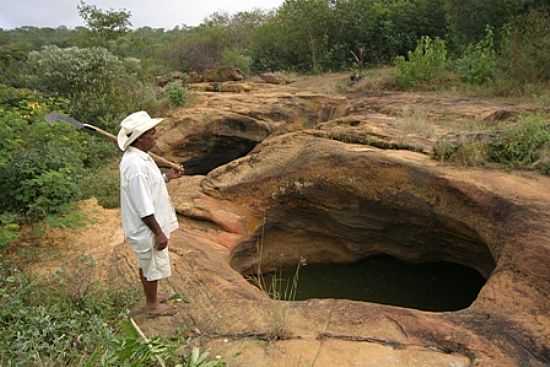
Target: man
pixel 148 216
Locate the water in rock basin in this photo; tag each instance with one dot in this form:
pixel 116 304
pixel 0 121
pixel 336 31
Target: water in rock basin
pixel 440 286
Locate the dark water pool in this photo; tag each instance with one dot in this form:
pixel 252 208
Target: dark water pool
pixel 440 286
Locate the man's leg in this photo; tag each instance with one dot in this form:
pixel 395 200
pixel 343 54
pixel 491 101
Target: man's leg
pixel 159 297
pixel 153 299
pixel 150 290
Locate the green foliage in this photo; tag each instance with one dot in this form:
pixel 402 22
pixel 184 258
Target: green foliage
pixel 55 324
pixel 177 94
pixel 201 48
pixel 297 37
pixel 525 49
pixel 9 229
pixel 525 145
pixel 198 359
pixel 469 18
pixel 105 24
pixel 103 184
pixel 100 86
pixel 127 349
pixel 42 325
pixel 27 104
pixel 41 164
pixel 68 217
pixel 426 63
pixel 521 145
pixel 12 63
pixel 478 65
pixel 235 59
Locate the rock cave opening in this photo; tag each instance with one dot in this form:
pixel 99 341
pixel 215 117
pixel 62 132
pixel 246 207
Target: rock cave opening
pixel 365 250
pixel 214 151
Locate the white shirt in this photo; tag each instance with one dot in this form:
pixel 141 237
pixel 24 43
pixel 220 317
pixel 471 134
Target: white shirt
pixel 142 193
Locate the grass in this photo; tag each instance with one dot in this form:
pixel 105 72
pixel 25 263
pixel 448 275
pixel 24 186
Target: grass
pixel 522 145
pixel 72 321
pixel 415 121
pixel 70 218
pixel 276 286
pixel 42 325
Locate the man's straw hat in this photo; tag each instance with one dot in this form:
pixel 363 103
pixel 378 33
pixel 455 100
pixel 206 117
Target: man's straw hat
pixel 133 126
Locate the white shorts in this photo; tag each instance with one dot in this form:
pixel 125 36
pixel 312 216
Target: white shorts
pixel 154 264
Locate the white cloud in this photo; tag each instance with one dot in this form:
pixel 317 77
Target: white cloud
pixel 153 13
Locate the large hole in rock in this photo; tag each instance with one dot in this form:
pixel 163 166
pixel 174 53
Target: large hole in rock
pixel 434 286
pixel 430 261
pixel 212 151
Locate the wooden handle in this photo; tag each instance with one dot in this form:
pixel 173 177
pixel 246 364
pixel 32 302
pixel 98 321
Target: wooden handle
pixel 166 162
pixel 162 161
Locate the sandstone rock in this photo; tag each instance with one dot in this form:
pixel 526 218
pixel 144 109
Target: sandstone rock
pixel 498 115
pixel 229 87
pixel 223 74
pixel 171 77
pixel 195 77
pixel 274 78
pixel 203 139
pixel 292 174
pixel 328 201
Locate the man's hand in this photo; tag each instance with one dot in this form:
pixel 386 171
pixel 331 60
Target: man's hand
pixel 174 173
pixel 161 241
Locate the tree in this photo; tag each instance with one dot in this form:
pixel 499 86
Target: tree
pixel 469 18
pixel 100 86
pixel 107 24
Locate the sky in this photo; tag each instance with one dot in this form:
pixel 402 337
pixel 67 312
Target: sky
pixel 153 13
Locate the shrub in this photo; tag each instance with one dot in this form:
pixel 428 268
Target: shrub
pixel 525 145
pixel 40 166
pixel 42 325
pixel 104 185
pixel 479 62
pixel 235 59
pixel 9 229
pixel 426 63
pixel 100 86
pixel 521 145
pixel 525 49
pixel 177 94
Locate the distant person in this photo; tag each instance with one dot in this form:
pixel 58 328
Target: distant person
pixel 148 216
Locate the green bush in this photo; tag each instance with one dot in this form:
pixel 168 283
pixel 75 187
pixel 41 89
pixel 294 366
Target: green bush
pixel 42 325
pixel 426 63
pixel 28 104
pixel 478 65
pixel 42 164
pixel 525 145
pixel 101 87
pixel 9 229
pixel 235 59
pixel 525 49
pixel 521 145
pixel 104 185
pixel 177 94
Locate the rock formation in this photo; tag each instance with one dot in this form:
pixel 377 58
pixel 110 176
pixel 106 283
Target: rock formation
pixel 281 174
pixel 338 187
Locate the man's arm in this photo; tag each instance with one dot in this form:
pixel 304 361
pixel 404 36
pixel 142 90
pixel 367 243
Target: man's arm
pixel 161 241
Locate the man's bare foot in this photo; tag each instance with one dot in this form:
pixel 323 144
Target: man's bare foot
pixel 160 310
pixel 162 297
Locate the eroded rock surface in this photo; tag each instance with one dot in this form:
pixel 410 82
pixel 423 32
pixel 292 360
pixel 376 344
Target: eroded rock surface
pixel 288 174
pixel 303 196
